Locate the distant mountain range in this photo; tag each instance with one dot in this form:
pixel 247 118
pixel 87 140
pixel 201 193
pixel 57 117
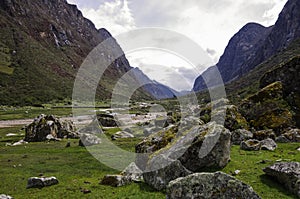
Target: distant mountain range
pixel 42 45
pixel 252 45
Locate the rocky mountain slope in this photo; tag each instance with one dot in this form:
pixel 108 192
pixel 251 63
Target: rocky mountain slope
pixel 254 44
pixel 42 45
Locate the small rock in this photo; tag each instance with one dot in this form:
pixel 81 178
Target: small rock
pixel 236 172
pixel 86 191
pixel 268 144
pixel 115 180
pixel 288 174
pixel 121 134
pixel 89 140
pixel 35 182
pixel 3 196
pixel 21 142
pixel 132 172
pixel 251 145
pixel 298 149
pixel 11 134
pixel 68 144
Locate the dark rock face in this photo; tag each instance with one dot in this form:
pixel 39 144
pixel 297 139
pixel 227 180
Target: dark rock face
pixel 209 185
pixel 35 182
pixel 254 44
pixel 115 180
pixel 288 174
pixel 107 120
pixel 45 125
pixel 241 46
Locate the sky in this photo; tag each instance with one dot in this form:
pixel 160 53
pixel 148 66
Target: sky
pixel 209 23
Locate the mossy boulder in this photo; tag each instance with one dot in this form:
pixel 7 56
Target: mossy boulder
pixel 233 118
pixel 264 134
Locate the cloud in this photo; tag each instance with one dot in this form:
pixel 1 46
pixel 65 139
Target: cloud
pixel 115 16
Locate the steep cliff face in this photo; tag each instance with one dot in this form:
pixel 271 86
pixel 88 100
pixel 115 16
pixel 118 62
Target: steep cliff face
pixel 254 44
pixel 42 45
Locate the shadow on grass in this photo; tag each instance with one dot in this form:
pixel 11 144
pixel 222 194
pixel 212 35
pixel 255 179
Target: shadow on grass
pixel 145 187
pixel 274 184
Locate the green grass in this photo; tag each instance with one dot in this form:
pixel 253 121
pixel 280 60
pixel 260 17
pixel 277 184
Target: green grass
pixel 75 165
pixel 72 166
pixel 12 113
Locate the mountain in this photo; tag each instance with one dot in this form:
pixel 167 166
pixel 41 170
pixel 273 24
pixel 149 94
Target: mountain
pixel 43 44
pixel 252 45
pixel 154 88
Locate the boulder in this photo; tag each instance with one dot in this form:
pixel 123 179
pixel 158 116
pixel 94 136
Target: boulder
pixel 89 140
pixel 209 185
pixel 121 134
pixel 203 147
pixel 264 134
pixel 291 135
pixel 107 120
pixel 115 180
pixel 268 144
pixel 45 125
pixel 132 172
pixel 3 196
pixel 288 174
pixel 35 182
pixel 161 170
pixel 240 135
pixel 251 145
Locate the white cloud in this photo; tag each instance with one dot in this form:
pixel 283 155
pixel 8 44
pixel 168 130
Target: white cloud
pixel 115 16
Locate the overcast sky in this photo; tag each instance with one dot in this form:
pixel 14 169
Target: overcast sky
pixel 210 23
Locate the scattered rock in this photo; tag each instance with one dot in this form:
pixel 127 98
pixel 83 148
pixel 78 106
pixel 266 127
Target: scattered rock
pixel 292 135
pixel 89 140
pixel 236 172
pixel 121 134
pixel 45 125
pixel 107 120
pixel 251 145
pixel 21 142
pixel 288 174
pixel 209 185
pixel 158 177
pixel 115 180
pixel 132 172
pixel 35 182
pixel 3 196
pixel 240 135
pixel 11 135
pixel 264 134
pixel 268 144
pixel 86 191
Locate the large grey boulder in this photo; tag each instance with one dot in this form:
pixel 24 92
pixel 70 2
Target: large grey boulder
pixel 35 182
pixel 202 147
pixel 240 135
pixel 288 174
pixel 209 185
pixel 45 125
